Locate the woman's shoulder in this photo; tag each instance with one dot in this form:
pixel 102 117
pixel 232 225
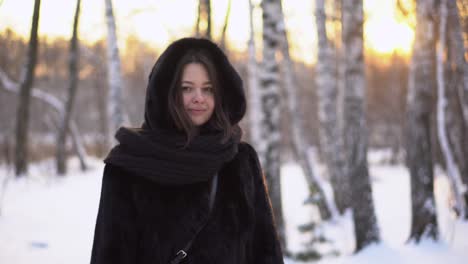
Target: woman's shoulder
pixel 249 154
pixel 247 149
pixel 111 169
pixel 114 173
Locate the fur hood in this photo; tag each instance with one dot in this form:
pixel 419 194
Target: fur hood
pixel 162 73
pixel 159 150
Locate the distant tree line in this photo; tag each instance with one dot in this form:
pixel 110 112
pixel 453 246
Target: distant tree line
pixel 351 100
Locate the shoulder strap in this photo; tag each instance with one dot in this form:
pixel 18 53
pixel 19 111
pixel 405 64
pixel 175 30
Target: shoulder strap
pixel 214 186
pixel 181 254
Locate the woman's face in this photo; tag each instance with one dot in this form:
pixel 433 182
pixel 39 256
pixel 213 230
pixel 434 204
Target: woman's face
pixel 197 93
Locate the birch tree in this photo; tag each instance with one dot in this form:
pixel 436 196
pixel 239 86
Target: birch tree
pixel 204 15
pixel 452 168
pixel 115 110
pixel 459 69
pixel 225 25
pixel 197 23
pixel 255 109
pixel 26 80
pixel 270 101
pixel 355 138
pixel 207 4
pixel 457 123
pixel 317 186
pixel 419 107
pixel 73 71
pixel 459 49
pixel 55 104
pixel 327 91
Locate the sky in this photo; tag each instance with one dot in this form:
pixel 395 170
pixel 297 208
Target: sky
pixel 160 22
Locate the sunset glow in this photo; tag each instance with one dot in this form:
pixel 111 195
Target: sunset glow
pixel 383 33
pixel 159 22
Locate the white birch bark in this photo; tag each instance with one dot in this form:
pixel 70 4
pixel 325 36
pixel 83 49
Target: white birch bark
pixel 56 105
pixel 78 145
pixel 419 108
pixel 339 65
pixel 365 223
pixel 458 47
pixel 326 205
pixel 270 99
pixel 453 172
pixel 459 68
pixel 255 108
pixel 327 91
pixel 115 109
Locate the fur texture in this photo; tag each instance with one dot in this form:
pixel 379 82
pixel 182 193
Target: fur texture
pixel 140 221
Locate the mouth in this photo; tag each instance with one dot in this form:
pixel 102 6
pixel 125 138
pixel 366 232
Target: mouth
pixel 196 111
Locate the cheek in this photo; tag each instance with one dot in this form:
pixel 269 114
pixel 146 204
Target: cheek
pixel 211 104
pixel 185 99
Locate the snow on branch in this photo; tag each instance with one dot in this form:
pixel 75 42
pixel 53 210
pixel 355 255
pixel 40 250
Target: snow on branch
pixel 48 98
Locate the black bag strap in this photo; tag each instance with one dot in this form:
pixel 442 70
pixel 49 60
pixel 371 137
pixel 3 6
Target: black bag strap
pixel 181 254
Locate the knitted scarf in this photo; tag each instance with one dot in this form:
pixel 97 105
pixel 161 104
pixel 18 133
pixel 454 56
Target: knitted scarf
pixel 163 157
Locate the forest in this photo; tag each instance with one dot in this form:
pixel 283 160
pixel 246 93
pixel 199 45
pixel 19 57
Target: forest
pixel 63 98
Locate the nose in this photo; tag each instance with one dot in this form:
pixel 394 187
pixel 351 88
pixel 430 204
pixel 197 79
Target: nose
pixel 198 96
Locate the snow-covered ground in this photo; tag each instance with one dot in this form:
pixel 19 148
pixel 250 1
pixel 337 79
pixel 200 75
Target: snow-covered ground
pixel 45 219
pixel 391 192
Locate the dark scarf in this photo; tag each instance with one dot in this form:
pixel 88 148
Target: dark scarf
pixel 157 150
pixel 163 157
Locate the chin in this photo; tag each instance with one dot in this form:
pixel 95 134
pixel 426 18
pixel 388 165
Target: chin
pixel 199 122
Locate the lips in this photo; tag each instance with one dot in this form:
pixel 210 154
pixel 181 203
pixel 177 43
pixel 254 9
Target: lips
pixel 196 111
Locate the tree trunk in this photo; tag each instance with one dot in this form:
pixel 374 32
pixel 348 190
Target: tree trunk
pixel 102 105
pixel 457 86
pixel 56 105
pixel 226 21
pixel 78 145
pixel 325 203
pixel 255 108
pixel 397 106
pixel 197 23
pixel 270 99
pixel 442 110
pixel 115 110
pixel 327 91
pixel 208 18
pixel 419 107
pixel 365 224
pixel 73 70
pixel 204 13
pixel 461 66
pixel 459 70
pixel 26 80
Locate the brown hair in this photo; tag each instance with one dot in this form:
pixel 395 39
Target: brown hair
pixel 219 120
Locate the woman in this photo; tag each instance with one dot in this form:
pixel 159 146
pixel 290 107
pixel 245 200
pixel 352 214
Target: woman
pixel 183 188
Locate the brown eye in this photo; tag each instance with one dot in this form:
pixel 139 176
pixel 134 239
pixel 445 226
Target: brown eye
pixel 186 88
pixel 208 90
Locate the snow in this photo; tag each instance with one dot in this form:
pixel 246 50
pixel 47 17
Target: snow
pixel 391 193
pixel 46 219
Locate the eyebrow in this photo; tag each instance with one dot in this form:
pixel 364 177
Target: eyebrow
pixel 189 82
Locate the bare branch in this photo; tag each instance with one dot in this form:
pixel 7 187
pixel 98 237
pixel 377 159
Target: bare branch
pixel 402 8
pixel 11 86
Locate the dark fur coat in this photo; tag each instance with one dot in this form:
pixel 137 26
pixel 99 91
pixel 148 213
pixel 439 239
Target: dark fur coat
pixel 142 221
